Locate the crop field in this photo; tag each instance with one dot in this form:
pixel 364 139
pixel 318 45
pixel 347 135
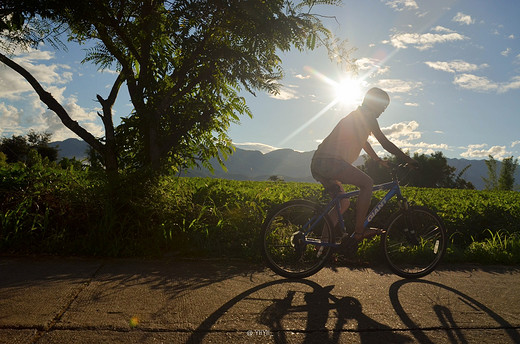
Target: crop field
pixel 69 212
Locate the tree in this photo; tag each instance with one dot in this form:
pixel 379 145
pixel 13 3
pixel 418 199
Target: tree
pixel 14 148
pixel 27 23
pixel 17 148
pixel 491 182
pixel 506 181
pixel 503 181
pixel 433 172
pixel 184 64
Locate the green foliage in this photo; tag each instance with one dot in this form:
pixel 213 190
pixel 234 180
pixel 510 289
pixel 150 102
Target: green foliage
pixel 506 179
pixel 498 248
pixel 185 64
pixel 48 209
pixel 491 182
pixel 433 172
pixel 467 212
pixel 3 159
pixel 18 148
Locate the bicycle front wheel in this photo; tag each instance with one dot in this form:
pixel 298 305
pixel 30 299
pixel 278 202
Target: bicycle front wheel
pixel 286 234
pixel 414 242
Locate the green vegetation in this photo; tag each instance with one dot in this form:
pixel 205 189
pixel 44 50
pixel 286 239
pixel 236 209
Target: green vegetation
pixel 506 180
pixel 433 172
pixel 184 64
pixel 48 209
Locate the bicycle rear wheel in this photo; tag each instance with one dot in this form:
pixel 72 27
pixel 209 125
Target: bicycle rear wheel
pixel 414 242
pixel 283 235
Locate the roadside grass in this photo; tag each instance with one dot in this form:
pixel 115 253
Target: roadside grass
pixel 45 209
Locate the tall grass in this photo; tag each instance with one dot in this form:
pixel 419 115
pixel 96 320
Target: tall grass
pixel 45 209
pixel 499 247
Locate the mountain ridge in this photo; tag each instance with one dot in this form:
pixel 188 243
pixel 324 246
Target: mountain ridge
pixel 285 163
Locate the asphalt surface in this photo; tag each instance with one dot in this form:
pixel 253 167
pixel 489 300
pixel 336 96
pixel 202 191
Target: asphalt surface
pixel 74 300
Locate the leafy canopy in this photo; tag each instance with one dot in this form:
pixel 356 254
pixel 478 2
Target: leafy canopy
pixel 433 172
pixel 184 63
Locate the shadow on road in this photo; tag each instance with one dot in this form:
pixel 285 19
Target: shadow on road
pixel 444 314
pixel 288 301
pixel 318 302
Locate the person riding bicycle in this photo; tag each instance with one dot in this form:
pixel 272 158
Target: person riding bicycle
pixel 332 162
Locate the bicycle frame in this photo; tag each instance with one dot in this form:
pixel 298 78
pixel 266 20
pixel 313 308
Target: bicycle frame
pixel 393 188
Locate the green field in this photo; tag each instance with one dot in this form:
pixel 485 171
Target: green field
pixel 67 212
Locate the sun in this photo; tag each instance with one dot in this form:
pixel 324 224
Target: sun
pixel 349 91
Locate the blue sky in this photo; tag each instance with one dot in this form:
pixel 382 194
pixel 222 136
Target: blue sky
pixel 452 69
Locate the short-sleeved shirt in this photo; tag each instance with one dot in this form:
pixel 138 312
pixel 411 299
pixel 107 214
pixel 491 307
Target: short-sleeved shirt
pixel 347 139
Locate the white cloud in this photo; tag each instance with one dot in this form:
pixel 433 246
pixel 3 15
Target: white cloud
pixel 439 28
pixel 373 66
pixel 400 5
pixel 462 18
pixel 33 114
pixel 506 52
pixel 13 86
pixel 512 85
pixel 285 93
pixel 480 151
pixel 515 143
pixel 423 41
pixel 402 134
pixel 511 36
pixel 454 66
pixel 26 111
pixel 262 147
pixel 411 104
pixel 302 77
pixel 48 121
pixel 398 130
pixel 10 120
pixel 474 82
pixel 398 86
pixel 483 84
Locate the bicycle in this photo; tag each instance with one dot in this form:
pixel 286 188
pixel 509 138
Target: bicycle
pixel 298 238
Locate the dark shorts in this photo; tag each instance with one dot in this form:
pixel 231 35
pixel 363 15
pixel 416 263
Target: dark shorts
pixel 328 170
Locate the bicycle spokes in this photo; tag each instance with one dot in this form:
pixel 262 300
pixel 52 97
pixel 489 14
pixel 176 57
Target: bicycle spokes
pixel 294 240
pixel 414 252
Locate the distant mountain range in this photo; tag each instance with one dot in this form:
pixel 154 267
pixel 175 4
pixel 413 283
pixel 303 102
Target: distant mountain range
pixel 284 163
pixel 71 148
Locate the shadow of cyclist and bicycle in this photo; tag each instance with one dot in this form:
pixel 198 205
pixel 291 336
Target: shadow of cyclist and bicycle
pixel 289 303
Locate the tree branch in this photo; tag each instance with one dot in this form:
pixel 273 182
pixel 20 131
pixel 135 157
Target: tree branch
pixel 53 105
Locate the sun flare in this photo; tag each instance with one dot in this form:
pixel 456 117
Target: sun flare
pixel 349 91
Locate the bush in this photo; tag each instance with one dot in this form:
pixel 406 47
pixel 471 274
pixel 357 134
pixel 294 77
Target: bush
pixel 47 209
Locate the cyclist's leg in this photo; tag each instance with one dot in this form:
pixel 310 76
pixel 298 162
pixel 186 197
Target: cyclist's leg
pixel 333 172
pixel 344 203
pixel 322 170
pixel 354 176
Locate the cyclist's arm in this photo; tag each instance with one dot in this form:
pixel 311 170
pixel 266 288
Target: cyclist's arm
pixel 370 151
pixel 387 145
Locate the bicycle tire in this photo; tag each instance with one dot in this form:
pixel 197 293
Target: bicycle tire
pixel 414 242
pixel 282 241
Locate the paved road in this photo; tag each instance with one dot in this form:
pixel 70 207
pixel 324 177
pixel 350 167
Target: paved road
pixel 73 300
